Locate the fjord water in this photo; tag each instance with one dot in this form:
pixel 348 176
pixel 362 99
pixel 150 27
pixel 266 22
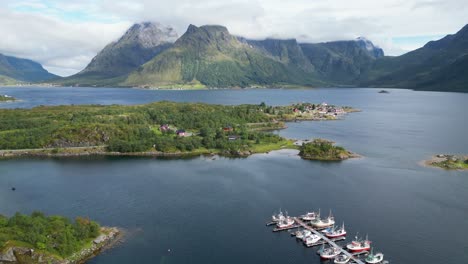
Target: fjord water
pixel 214 210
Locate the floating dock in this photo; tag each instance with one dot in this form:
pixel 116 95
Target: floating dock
pixel 322 242
pixel 327 240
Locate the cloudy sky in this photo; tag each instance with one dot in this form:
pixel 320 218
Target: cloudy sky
pixel 65 35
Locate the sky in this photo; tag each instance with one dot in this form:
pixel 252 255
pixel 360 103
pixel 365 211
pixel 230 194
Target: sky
pixel 65 35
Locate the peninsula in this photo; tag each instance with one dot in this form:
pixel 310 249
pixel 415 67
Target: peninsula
pixel 37 238
pixel 156 129
pixel 448 162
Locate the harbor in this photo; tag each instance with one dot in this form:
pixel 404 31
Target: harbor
pixel 315 231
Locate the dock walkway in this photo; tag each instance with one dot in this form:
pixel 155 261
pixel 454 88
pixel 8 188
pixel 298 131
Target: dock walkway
pixel 352 257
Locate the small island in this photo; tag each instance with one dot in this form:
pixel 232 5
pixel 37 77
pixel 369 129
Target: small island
pixel 448 162
pixel 156 129
pixel 6 98
pixel 37 238
pixel 321 149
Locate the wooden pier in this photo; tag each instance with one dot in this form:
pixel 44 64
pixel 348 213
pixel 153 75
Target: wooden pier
pixel 322 242
pixel 329 241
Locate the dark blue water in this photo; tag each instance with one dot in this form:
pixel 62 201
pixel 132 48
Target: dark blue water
pixel 214 211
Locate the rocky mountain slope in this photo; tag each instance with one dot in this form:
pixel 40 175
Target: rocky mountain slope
pixel 139 44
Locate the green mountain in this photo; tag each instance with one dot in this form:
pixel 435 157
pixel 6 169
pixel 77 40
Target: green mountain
pixel 440 65
pixel 210 56
pixel 139 44
pixel 342 62
pixel 14 70
pixel 287 51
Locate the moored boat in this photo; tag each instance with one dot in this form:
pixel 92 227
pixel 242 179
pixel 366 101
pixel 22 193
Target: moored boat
pixel 374 258
pixel 278 217
pixel 285 223
pixel 336 232
pixel 341 259
pixel 330 253
pixel 359 245
pixel 303 233
pixel 310 240
pixel 309 216
pixel 322 223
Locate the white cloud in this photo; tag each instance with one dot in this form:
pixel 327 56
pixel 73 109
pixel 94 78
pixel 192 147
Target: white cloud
pixel 65 35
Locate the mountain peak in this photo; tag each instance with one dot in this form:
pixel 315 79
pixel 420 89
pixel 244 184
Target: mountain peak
pixel 149 34
pixel 207 35
pixel 139 44
pixel 369 46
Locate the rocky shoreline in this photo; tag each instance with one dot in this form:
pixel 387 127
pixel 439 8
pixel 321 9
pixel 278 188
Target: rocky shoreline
pixel 22 255
pixel 447 162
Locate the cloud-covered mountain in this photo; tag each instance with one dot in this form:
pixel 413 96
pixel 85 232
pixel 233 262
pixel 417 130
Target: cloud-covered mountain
pixel 209 56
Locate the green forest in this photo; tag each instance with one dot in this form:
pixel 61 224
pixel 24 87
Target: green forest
pixel 138 128
pixel 53 234
pixel 320 149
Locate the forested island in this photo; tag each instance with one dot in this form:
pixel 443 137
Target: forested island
pixel 6 98
pixel 38 238
pixel 321 149
pixel 448 162
pixel 156 129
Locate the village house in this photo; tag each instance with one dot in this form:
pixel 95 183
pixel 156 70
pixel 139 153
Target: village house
pixel 227 128
pixel 181 133
pixel 164 128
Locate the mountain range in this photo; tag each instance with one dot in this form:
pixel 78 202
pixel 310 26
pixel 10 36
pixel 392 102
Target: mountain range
pixel 153 55
pixel 15 70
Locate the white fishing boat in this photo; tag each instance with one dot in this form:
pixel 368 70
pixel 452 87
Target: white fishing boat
pixel 342 259
pixel 359 245
pixel 336 232
pixel 322 223
pixel 330 253
pixel 312 239
pixel 302 233
pixel 278 217
pixel 374 258
pixel 309 216
pixel 285 223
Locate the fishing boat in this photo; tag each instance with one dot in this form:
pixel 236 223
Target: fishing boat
pixel 336 232
pixel 374 258
pixel 342 259
pixel 358 245
pixel 330 253
pixel 310 240
pixel 303 233
pixel 278 217
pixel 322 223
pixel 285 223
pixel 309 216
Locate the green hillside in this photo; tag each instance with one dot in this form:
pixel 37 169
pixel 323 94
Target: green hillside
pixel 439 65
pixel 210 56
pixel 13 70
